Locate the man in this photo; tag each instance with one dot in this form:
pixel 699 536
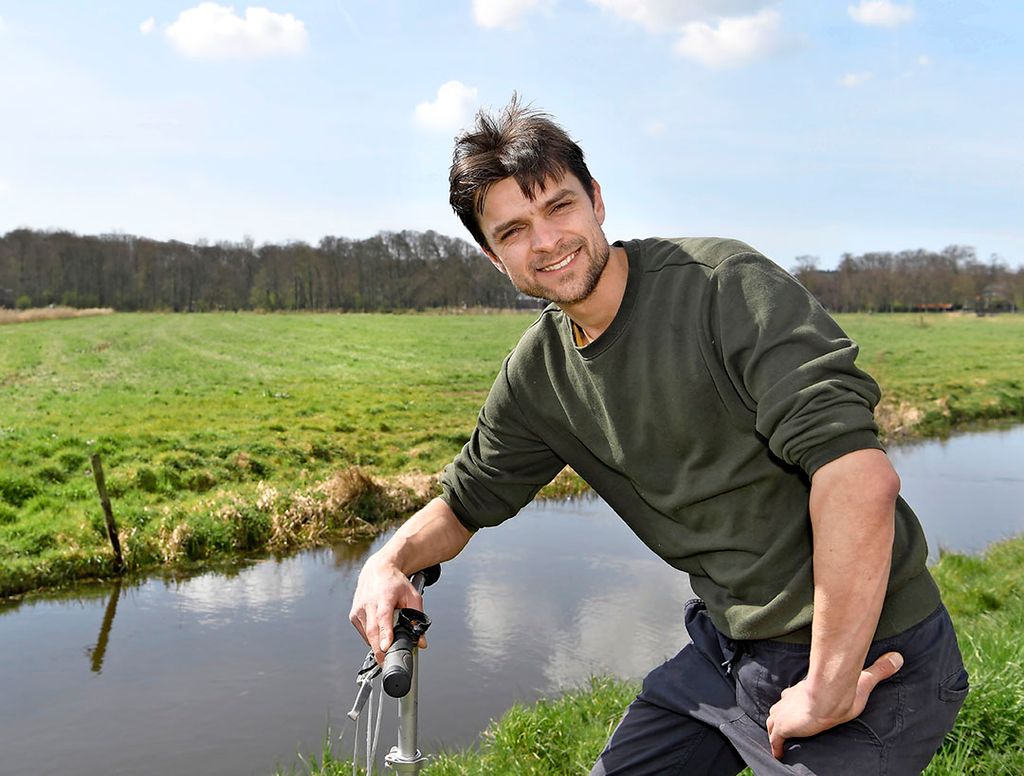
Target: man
pixel 705 395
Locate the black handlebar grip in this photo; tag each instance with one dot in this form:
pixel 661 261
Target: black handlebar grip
pixel 431 575
pixel 396 674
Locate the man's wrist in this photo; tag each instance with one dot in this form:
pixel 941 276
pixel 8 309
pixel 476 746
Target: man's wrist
pixel 386 559
pixel 833 695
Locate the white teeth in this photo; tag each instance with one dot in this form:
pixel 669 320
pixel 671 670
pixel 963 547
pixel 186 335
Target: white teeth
pixel 563 263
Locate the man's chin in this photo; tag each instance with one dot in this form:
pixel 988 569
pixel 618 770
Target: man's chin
pixel 560 299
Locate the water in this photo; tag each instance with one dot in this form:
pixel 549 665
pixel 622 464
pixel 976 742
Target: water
pixel 968 491
pixel 234 674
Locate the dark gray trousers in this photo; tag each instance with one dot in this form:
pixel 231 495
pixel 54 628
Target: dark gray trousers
pixel 704 711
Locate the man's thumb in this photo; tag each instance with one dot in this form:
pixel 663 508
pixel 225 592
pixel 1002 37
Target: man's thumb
pixel 887 665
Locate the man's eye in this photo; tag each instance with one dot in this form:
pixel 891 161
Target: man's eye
pixel 510 233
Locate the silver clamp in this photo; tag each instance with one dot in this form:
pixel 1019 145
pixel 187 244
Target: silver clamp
pixel 404 765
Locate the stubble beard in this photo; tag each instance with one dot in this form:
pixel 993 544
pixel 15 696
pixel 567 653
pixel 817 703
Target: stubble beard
pixel 598 260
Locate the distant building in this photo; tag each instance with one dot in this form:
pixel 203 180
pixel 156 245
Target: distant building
pixel 934 307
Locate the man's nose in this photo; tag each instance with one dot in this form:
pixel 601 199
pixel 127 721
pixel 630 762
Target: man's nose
pixel 545 236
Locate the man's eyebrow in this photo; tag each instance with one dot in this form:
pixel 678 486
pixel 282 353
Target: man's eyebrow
pixel 560 194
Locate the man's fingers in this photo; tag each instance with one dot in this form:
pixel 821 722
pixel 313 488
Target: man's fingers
pixel 775 739
pixel 384 631
pixel 415 600
pixel 357 622
pixel 883 668
pixel 776 742
pixel 377 599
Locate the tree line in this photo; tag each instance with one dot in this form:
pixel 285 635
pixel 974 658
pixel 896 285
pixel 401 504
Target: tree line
pixel 390 271
pixel 914 281
pixel 415 270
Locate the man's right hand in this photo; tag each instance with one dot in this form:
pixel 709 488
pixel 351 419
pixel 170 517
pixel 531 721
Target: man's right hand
pixel 432 535
pixel 382 589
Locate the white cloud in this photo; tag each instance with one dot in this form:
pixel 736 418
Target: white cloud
pixel 734 42
pixel 671 15
pixel 923 60
pixel 853 80
pixel 450 110
pixel 147 26
pixel 505 13
pixel 655 128
pixel 211 31
pixel 880 13
pixel 5 186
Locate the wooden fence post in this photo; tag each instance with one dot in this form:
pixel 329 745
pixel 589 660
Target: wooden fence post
pixel 108 513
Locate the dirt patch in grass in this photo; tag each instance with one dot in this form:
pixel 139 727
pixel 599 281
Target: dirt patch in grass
pixel 50 314
pixel 897 419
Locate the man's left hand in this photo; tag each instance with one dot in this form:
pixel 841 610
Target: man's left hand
pixel 799 714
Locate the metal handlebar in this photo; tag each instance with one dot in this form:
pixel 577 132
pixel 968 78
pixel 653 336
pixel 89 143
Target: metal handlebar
pixel 400 676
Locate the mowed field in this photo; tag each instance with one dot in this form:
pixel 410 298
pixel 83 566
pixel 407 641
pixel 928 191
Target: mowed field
pixel 229 433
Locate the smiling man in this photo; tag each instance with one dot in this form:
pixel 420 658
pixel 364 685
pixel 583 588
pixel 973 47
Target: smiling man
pixel 710 400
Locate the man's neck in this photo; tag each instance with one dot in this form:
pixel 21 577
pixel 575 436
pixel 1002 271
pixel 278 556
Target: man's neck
pixel 595 313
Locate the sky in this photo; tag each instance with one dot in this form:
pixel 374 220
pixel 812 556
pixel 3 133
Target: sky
pixel 803 127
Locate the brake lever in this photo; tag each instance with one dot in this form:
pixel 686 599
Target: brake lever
pixel 364 681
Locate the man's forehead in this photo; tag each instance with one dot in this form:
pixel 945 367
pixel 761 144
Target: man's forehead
pixel 508 192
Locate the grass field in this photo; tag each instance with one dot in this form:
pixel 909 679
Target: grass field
pixel 939 372
pixel 230 433
pixel 985 596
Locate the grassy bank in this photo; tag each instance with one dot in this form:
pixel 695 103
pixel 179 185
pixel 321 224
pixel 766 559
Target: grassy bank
pixel 224 434
pixel 941 372
pixel 985 595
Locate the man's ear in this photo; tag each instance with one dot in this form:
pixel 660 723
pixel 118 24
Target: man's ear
pixel 498 265
pixel 599 211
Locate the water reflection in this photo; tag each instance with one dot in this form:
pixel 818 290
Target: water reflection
pixel 98 652
pixel 260 593
pixel 348 553
pixel 588 598
pixel 609 636
pixel 495 612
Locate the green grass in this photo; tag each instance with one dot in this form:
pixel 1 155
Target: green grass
pixel 940 372
pixel 190 413
pixel 985 595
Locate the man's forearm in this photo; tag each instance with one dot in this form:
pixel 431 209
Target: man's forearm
pixel 432 535
pixel 852 507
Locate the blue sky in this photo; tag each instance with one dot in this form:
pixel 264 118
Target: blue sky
pixel 801 127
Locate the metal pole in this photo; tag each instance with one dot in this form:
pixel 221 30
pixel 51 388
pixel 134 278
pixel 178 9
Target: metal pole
pixel 406 758
pixel 408 708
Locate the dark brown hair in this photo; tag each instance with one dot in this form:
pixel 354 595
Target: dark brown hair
pixel 520 143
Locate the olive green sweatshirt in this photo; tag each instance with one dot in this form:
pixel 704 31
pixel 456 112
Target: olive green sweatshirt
pixel 699 415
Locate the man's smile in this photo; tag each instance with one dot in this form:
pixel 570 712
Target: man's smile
pixel 560 264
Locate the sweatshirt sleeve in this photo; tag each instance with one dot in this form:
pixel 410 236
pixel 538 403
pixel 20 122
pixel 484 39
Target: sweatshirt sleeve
pixel 787 361
pixel 502 466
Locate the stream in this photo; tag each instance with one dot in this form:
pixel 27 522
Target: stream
pixel 235 673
